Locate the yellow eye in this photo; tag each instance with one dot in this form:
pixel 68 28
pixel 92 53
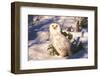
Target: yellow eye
pixel 52 25
pixel 56 25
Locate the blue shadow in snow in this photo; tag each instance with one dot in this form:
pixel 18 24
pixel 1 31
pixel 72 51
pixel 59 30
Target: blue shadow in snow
pixel 33 29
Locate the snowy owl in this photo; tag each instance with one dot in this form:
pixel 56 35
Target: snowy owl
pixel 59 41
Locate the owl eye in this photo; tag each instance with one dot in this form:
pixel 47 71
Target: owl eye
pixel 52 25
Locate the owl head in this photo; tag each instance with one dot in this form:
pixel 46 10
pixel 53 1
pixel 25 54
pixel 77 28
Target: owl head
pixel 54 27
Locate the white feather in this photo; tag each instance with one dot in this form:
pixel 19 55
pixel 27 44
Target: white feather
pixel 60 43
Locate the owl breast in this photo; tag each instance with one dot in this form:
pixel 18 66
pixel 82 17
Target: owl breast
pixel 61 44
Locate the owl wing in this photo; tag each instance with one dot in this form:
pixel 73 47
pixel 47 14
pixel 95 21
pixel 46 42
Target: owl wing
pixel 54 50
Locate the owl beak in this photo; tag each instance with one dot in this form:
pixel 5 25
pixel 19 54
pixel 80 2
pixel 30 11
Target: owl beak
pixel 55 26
